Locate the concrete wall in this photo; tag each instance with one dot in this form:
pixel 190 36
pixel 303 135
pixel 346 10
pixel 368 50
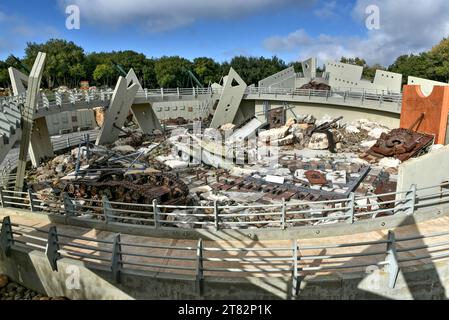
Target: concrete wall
pixel 70 120
pixel 188 109
pixel 427 170
pixel 350 114
pixel 32 269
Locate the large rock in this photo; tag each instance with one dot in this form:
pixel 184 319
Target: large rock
pixel 273 134
pixel 319 141
pixel 227 127
pixel 3 281
pixel 290 122
pixel 100 114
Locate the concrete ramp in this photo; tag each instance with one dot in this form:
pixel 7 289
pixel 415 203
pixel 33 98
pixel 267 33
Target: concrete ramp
pixel 246 130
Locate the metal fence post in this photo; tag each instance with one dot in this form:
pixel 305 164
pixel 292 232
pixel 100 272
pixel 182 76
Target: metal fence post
pixel 216 212
pixel 52 249
pixel 107 209
pixel 199 267
pixel 6 236
pixel 296 281
pixel 1 197
pixel 30 196
pixel 351 207
pixel 69 207
pixel 156 214
pixel 283 210
pixel 410 200
pixel 392 260
pixel 116 259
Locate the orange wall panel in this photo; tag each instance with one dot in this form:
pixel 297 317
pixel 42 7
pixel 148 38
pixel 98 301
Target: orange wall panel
pixel 435 108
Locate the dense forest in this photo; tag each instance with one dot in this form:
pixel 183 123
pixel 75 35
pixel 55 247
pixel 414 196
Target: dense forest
pixel 67 64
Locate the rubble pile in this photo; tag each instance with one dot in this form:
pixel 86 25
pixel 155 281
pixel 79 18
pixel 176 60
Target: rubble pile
pixel 312 160
pixel 314 85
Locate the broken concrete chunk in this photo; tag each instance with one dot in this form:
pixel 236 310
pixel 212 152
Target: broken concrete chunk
pixel 275 179
pixel 201 189
pixel 319 141
pixel 377 132
pixel 227 127
pixel 368 143
pixel 389 162
pixel 352 129
pixel 273 134
pixel 176 164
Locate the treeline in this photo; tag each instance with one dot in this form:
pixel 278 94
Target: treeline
pixel 67 64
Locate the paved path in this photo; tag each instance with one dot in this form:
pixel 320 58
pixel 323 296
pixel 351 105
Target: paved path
pixel 270 248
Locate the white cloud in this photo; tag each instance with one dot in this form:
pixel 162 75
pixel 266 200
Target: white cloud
pixel 406 26
pixel 161 15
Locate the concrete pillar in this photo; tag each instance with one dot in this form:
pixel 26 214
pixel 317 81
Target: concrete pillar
pixel 34 81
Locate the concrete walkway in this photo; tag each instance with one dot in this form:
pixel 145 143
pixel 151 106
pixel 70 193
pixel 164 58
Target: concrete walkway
pixel 165 258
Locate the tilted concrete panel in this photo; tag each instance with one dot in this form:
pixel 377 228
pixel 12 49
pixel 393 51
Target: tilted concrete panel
pixel 18 81
pixel 34 81
pixel 143 113
pixel 390 81
pixel 426 85
pixel 277 79
pixel 345 71
pixel 233 91
pixel 117 112
pixel 309 68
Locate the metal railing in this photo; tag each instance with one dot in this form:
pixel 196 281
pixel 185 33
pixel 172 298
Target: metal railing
pixel 281 215
pixel 342 95
pixel 59 100
pixel 295 260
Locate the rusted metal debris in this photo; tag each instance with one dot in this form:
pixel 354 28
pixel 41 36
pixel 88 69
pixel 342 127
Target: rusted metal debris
pixel 177 121
pixel 313 85
pixel 131 188
pixel 386 187
pixel 276 117
pixel 402 144
pixel 315 177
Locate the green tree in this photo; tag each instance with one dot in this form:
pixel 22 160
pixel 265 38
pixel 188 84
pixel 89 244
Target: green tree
pixel 170 71
pixel 61 56
pixel 207 70
pixel 103 73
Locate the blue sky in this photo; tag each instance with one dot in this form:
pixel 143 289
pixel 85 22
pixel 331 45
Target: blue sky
pixel 290 29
